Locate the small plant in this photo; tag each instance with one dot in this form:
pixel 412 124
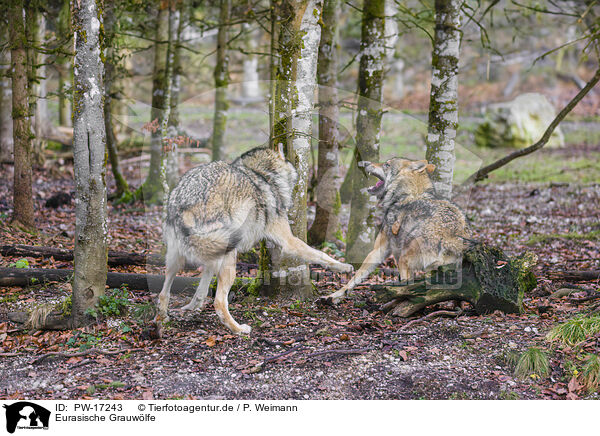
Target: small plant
pixel 85 341
pixel 114 303
pixel 144 311
pixel 509 395
pixel 297 306
pixel 22 263
pixel 575 330
pixel 532 363
pixel 590 375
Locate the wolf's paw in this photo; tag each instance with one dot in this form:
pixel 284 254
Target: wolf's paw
pixel 190 306
pixel 342 267
pixel 245 329
pixel 332 299
pixel 161 317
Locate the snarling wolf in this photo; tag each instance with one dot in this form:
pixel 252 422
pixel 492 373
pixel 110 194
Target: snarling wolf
pixel 421 230
pixel 219 209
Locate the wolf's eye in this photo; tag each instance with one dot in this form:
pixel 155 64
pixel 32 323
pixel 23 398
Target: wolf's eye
pixel 386 166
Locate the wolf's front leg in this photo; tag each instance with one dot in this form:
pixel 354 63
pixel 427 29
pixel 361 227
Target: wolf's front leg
pixel 281 234
pixel 372 261
pixel 174 263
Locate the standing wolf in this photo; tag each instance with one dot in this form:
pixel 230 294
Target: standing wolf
pixel 420 230
pixel 219 209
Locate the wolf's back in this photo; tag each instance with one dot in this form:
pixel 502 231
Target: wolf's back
pixel 214 209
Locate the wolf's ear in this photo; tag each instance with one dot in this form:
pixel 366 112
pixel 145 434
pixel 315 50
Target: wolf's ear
pixel 419 166
pixel 280 150
pixel 430 168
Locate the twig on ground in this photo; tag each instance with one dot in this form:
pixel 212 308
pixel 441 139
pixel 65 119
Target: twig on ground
pixel 85 353
pixel 584 299
pixel 10 354
pixel 432 315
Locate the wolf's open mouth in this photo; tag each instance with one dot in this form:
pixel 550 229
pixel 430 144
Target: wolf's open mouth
pixel 379 187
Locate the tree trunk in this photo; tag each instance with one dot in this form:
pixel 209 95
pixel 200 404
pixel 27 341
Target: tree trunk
pixel 361 227
pixel 176 23
pixel 443 103
pixel 488 280
pixel 6 122
pixel 298 44
pixel 250 84
pixel 265 263
pixel 152 190
pixel 123 195
pixel 328 201
pixel 63 67
pixel 35 28
pixel 221 76
pixel 22 193
pixel 89 142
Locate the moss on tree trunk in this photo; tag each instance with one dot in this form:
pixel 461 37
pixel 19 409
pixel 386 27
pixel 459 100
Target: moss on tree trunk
pixel 488 279
pixel 326 222
pixel 221 76
pixel 361 227
pixel 22 135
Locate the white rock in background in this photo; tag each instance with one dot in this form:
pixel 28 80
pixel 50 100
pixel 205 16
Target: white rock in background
pixel 518 123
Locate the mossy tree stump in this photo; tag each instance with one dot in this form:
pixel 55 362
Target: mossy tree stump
pixel 488 279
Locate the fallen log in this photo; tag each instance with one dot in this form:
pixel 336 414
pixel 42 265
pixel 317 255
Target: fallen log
pixel 139 282
pixel 488 280
pixel 576 276
pixel 115 258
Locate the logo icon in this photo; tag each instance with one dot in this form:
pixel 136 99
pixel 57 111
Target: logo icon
pixel 26 415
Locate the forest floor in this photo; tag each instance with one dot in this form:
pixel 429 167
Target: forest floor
pixel 297 349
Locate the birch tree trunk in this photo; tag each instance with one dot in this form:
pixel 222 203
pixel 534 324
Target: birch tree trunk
pixel 443 102
pixel 91 245
pixel 152 188
pixel 123 195
pixel 6 122
pixel 221 76
pixel 361 227
pixel 22 193
pixel 326 222
pixel 250 84
pixel 298 45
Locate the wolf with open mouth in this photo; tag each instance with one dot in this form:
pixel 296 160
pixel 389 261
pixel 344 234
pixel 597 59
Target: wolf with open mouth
pixel 421 230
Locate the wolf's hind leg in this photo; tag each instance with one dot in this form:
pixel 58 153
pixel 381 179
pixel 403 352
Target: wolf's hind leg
pixel 174 263
pixel 199 299
pixel 372 261
pixel 225 279
pixel 281 234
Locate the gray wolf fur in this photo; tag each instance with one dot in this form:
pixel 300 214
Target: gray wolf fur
pixel 219 209
pixel 420 230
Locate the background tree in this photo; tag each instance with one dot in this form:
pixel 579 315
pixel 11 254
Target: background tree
pixel 6 122
pixel 152 188
pixel 221 76
pixel 297 49
pixel 443 104
pixel 328 202
pixel 110 76
pixel 22 194
pixel 89 163
pixel 361 227
pixel 63 65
